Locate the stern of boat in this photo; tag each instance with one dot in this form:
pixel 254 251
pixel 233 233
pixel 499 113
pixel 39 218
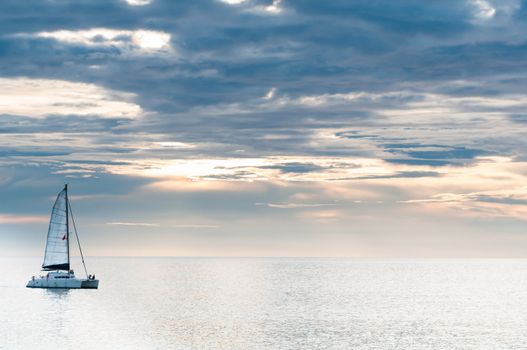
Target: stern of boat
pixel 90 284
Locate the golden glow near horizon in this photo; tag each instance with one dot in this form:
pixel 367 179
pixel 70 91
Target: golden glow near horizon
pixel 484 189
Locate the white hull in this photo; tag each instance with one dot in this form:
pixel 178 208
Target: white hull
pixel 62 280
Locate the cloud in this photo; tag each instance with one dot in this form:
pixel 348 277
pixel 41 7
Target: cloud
pixel 433 155
pixel 138 2
pixel 295 205
pixel 483 10
pixel 19 153
pixel 22 219
pixel 182 104
pixel 170 145
pixel 233 2
pixel 141 40
pixel 146 224
pixel 516 197
pixel 186 185
pixel 492 189
pixel 196 226
pixel 401 174
pixel 38 98
pixel 270 94
pixel 193 171
pixel 294 167
pixel 274 8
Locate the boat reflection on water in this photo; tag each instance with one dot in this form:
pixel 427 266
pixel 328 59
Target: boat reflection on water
pixel 58 293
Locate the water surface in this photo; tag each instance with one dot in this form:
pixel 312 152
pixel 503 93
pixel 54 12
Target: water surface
pixel 270 303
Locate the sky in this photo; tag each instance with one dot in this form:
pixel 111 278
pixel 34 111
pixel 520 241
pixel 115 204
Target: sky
pixel 338 128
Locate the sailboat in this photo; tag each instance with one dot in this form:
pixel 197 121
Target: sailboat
pixel 57 255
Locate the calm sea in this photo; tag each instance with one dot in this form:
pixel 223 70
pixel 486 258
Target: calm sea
pixel 270 303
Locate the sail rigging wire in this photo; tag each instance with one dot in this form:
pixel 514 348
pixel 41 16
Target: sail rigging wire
pixel 78 241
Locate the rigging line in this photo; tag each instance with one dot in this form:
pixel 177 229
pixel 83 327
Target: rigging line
pixel 78 242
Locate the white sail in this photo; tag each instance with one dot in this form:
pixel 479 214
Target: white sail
pixel 57 247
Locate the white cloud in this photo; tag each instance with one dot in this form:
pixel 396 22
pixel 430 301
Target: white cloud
pixel 39 98
pixel 151 40
pixel 255 169
pixel 138 2
pixel 483 10
pixel 274 7
pixel 270 94
pixel 415 107
pixel 22 219
pixel 147 224
pixel 295 205
pixel 170 144
pixel 131 224
pixel 138 41
pixel 494 187
pixel 233 2
pixel 95 36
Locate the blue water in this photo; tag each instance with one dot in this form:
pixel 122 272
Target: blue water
pixel 270 303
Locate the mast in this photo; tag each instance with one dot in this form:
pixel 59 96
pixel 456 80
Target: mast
pixel 67 222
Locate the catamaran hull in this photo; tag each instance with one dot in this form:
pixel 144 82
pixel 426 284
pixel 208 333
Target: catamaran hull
pixel 90 284
pixel 64 284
